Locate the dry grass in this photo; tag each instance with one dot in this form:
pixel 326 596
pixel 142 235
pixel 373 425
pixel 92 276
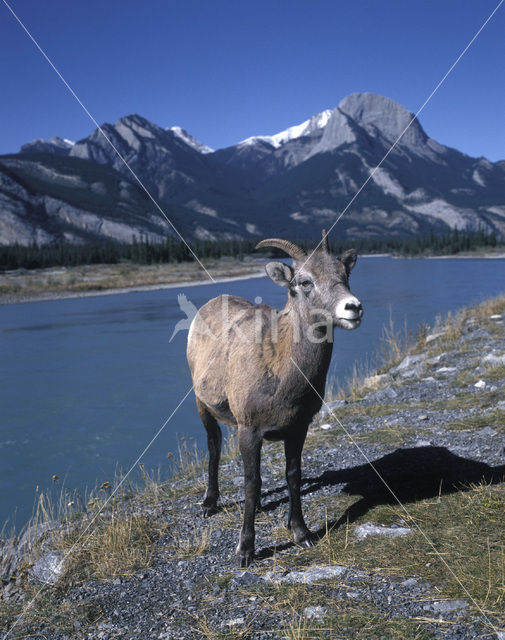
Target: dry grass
pixel 343 618
pixel 467 400
pixel 49 609
pixel 188 544
pixel 463 552
pixel 115 546
pixel 494 419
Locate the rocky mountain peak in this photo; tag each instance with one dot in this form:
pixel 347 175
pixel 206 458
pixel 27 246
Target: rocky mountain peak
pixel 378 113
pixel 56 145
pixel 138 126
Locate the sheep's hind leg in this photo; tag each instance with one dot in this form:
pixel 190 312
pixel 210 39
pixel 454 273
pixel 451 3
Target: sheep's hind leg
pixel 214 439
pixel 293 448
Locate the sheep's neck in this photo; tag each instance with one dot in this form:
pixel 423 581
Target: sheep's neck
pixel 304 348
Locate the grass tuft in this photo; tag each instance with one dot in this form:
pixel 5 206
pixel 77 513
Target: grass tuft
pixel 116 547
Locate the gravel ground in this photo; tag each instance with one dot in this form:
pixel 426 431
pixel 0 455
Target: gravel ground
pixel 207 595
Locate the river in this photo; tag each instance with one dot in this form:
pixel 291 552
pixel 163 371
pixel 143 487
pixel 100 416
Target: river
pixel 85 383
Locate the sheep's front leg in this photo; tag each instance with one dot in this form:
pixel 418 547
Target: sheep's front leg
pixel 293 446
pixel 250 448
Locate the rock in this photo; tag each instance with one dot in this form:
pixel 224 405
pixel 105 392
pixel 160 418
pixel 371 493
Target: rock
pixel 310 576
pixel 34 533
pixel 409 362
pixel 14 554
pixel 446 370
pixel 433 336
pixel 501 405
pixel 415 372
pixel 370 529
pixel 314 613
pixel 423 416
pixel 476 335
pixel 410 582
pixel 234 622
pixel 245 578
pixel 486 432
pixel 328 407
pixel 496 316
pixel 383 395
pixel 423 443
pixel 49 568
pixel 446 606
pixel 326 427
pixel 493 360
pixel 480 384
pixel 377 379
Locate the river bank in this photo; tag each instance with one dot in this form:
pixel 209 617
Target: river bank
pixel 23 285
pixel 412 547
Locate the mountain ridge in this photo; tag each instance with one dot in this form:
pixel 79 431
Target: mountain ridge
pixel 290 183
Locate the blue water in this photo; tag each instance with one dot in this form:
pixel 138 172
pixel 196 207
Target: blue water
pixel 86 383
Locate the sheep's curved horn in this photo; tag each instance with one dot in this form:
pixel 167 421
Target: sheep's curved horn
pixel 289 247
pixel 325 244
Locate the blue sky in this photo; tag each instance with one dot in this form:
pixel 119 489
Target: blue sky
pixel 226 70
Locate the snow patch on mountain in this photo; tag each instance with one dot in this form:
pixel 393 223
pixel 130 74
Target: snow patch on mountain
pixel 186 137
pixel 319 121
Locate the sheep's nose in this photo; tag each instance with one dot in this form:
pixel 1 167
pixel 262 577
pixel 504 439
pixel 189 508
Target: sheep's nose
pixel 355 307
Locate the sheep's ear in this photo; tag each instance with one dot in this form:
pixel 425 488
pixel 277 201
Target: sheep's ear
pixel 280 273
pixel 348 258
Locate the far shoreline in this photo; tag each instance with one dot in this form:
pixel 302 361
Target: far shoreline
pixel 65 295
pixel 20 298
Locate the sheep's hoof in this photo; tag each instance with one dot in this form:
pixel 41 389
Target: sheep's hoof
pixel 246 559
pixel 308 543
pixel 245 552
pixel 209 509
pixel 306 540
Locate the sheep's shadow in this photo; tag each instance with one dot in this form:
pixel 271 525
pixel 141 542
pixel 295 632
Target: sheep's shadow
pixel 406 475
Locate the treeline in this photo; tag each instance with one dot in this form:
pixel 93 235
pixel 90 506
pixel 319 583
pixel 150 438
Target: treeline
pixel 449 243
pixel 143 251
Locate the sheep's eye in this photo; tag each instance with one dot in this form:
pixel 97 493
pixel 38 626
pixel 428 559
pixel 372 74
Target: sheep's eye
pixel 306 284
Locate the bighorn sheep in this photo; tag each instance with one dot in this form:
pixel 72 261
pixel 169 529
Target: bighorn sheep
pixel 264 371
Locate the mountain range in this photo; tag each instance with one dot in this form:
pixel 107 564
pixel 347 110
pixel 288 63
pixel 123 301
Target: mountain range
pixel 289 184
